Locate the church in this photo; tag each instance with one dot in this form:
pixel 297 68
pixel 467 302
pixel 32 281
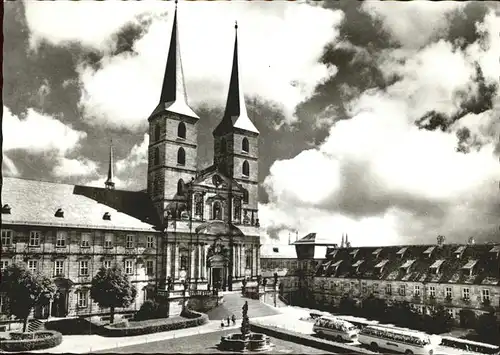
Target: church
pixel 198 228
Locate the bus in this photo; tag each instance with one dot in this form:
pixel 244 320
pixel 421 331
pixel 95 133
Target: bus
pixel 359 322
pixel 398 340
pixel 336 328
pixel 471 347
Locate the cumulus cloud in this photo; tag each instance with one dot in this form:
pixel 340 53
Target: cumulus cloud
pixel 382 179
pixel 74 167
pixel 280 51
pixel 138 155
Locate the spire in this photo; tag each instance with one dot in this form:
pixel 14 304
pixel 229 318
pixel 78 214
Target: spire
pixel 109 182
pixel 347 244
pixel 342 244
pixel 236 115
pixel 173 96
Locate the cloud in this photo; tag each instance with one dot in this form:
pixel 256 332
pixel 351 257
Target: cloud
pixel 279 57
pixel 138 155
pixel 382 179
pixel 415 23
pixel 74 167
pixel 38 133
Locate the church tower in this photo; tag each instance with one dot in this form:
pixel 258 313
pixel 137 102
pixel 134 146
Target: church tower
pixel 172 151
pixel 236 139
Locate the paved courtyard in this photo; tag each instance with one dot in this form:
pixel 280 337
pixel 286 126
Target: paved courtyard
pixel 206 344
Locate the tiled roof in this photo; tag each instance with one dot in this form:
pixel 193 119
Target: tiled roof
pixel 35 203
pixel 449 265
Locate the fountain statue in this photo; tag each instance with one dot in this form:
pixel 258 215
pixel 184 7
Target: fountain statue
pixel 246 340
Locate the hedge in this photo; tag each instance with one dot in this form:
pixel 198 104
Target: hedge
pixel 308 340
pixel 191 319
pixel 43 339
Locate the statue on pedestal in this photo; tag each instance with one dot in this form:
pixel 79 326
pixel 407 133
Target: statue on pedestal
pixel 170 284
pixel 245 322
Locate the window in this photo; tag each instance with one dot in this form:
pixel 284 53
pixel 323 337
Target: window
pixel 150 267
pixel 33 266
pixel 198 205
pixel 130 242
pixel 3 264
pixel 388 289
pixel 466 293
pixel 2 303
pixel 6 237
pixel 245 169
pixel 129 267
pixel 58 267
pixel 181 130
pixel 84 268
pixel 486 295
pixel 216 211
pixel 432 291
pixel 150 242
pixel 181 156
pixel 34 239
pixel 85 241
pixel 245 145
pixel 156 158
pixel 416 290
pixel 448 292
pixel 248 258
pixel 61 239
pixel 237 209
pixel 106 264
pixel 402 290
pixel 157 132
pixel 183 259
pixel 82 298
pixel 108 240
pixel 180 187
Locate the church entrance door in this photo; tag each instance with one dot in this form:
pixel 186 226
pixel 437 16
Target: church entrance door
pixel 217 277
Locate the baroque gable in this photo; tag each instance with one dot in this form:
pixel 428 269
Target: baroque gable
pixel 212 179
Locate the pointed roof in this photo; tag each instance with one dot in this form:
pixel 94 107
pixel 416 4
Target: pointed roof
pixel 235 115
pixel 173 96
pixel 109 181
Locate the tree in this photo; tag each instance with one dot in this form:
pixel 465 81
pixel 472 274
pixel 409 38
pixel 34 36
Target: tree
pixel 347 305
pixel 374 308
pixel 111 288
pixel 488 328
pixel 25 290
pixel 442 321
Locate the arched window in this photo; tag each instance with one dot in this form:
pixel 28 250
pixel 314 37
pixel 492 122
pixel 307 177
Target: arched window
pixel 223 145
pixel 181 130
pixel 181 156
pixel 237 209
pixel 180 187
pixel 157 132
pixel 245 146
pixel 198 205
pixel 245 169
pixel 245 196
pixel 156 157
pixel 183 253
pixel 217 211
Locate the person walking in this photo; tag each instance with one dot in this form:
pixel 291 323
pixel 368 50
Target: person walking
pixel 233 318
pixel 228 320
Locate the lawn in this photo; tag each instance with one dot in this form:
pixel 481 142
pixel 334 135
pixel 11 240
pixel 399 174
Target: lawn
pixel 142 323
pixel 207 344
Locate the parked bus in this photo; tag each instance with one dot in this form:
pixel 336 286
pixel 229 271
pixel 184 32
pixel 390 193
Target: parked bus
pixel 359 322
pixel 398 340
pixel 336 328
pixel 471 347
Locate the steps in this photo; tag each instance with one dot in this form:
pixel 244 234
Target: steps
pixel 34 325
pixel 233 303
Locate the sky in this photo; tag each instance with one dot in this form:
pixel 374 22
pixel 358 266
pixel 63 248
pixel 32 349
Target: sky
pixel 377 119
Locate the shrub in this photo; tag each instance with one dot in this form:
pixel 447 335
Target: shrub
pixel 193 319
pixel 31 341
pixel 74 326
pixel 151 310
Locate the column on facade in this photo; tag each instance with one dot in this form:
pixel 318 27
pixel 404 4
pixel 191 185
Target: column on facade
pixel 205 250
pixel 176 271
pixel 254 260
pixel 168 260
pixel 257 251
pixel 200 261
pixel 236 249
pixel 242 261
pixel 193 260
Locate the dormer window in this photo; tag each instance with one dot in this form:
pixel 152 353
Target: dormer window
pixel 407 266
pixel 377 252
pixel 495 251
pixel 276 250
pixel 379 268
pixel 6 209
pixel 469 267
pixel 106 216
pixel 459 252
pixel 436 266
pixel 428 252
pixel 357 264
pixel 335 267
pixel 402 252
pixel 332 254
pixel 354 253
pixel 59 213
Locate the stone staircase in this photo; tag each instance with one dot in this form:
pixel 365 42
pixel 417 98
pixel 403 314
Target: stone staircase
pixel 233 302
pixel 34 325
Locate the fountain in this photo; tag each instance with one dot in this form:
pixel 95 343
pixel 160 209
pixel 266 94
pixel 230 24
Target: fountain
pixel 246 340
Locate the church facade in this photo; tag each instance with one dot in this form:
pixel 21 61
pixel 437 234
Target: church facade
pixel 194 228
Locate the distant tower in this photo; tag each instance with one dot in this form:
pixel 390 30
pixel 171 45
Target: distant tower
pixel 109 181
pixel 236 141
pixel 289 240
pixel 347 243
pixel 342 243
pixel 172 151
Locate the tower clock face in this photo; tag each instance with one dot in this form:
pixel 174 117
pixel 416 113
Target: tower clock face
pixel 216 180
